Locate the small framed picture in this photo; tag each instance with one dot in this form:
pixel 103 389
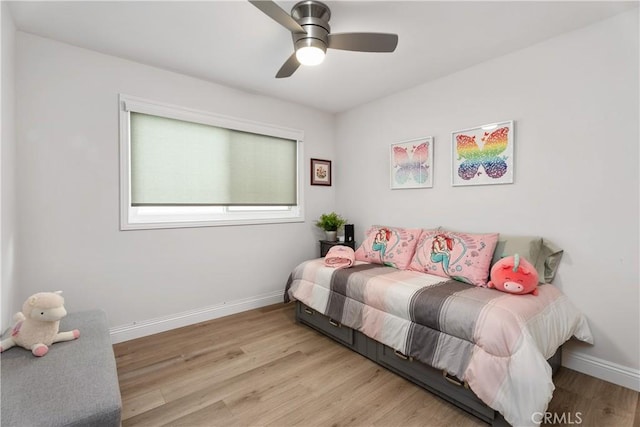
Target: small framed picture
pixel 320 172
pixel 411 164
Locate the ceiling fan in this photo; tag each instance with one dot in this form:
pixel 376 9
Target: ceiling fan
pixel 309 26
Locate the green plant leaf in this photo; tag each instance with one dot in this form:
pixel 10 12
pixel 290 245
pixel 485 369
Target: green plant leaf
pixel 331 221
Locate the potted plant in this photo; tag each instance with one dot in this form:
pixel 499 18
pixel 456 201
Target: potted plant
pixel 330 223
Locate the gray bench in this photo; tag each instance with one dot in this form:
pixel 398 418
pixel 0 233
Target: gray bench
pixel 74 384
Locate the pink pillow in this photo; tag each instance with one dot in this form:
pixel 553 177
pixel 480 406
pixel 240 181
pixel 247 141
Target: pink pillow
pixel 390 246
pixel 461 256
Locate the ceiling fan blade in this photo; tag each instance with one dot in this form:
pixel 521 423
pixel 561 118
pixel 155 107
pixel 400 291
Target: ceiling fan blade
pixel 289 67
pixel 364 42
pixel 278 14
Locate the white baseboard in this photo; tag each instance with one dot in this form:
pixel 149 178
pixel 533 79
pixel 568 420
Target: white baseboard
pixel 603 369
pixel 161 324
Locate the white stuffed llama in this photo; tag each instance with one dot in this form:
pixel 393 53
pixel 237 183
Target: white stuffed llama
pixel 37 325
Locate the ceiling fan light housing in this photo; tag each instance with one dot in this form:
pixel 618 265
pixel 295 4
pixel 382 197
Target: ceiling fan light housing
pixel 310 51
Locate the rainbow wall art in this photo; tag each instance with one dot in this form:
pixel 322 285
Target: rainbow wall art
pixel 483 155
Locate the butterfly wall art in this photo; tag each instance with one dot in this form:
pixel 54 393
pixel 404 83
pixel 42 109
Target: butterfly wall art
pixel 483 155
pixel 411 164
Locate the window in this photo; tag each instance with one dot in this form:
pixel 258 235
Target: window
pixel 186 168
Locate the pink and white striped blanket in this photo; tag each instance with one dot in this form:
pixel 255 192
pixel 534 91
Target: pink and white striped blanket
pixel 498 343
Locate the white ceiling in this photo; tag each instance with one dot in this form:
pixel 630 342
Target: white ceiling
pixel 233 43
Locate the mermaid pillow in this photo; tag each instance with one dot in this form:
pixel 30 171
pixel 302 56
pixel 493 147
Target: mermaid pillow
pixel 461 256
pixel 390 246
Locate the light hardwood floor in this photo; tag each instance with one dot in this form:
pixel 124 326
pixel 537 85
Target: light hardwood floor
pixel 260 368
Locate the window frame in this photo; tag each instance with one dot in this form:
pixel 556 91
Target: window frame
pixel 136 218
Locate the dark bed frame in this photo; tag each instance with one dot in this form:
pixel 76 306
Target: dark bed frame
pixel 437 382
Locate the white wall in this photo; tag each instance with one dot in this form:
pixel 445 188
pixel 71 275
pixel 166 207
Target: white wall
pixel 8 156
pixel 574 99
pixel 68 181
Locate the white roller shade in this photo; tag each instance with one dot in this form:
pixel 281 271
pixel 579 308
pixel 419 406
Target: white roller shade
pixel 176 162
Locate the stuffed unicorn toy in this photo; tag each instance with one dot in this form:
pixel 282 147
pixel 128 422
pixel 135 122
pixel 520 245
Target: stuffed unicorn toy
pixel 514 275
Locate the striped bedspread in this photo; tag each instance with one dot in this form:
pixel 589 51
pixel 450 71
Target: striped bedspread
pixel 496 342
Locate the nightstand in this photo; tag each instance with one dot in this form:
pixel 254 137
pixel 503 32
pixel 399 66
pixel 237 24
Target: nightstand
pixel 325 245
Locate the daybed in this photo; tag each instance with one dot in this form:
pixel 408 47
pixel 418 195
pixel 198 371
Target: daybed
pixel 489 352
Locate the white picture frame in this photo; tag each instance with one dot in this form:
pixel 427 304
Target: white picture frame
pixel 483 155
pixel 411 164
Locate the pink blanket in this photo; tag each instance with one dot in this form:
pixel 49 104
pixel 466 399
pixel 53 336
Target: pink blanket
pixel 340 257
